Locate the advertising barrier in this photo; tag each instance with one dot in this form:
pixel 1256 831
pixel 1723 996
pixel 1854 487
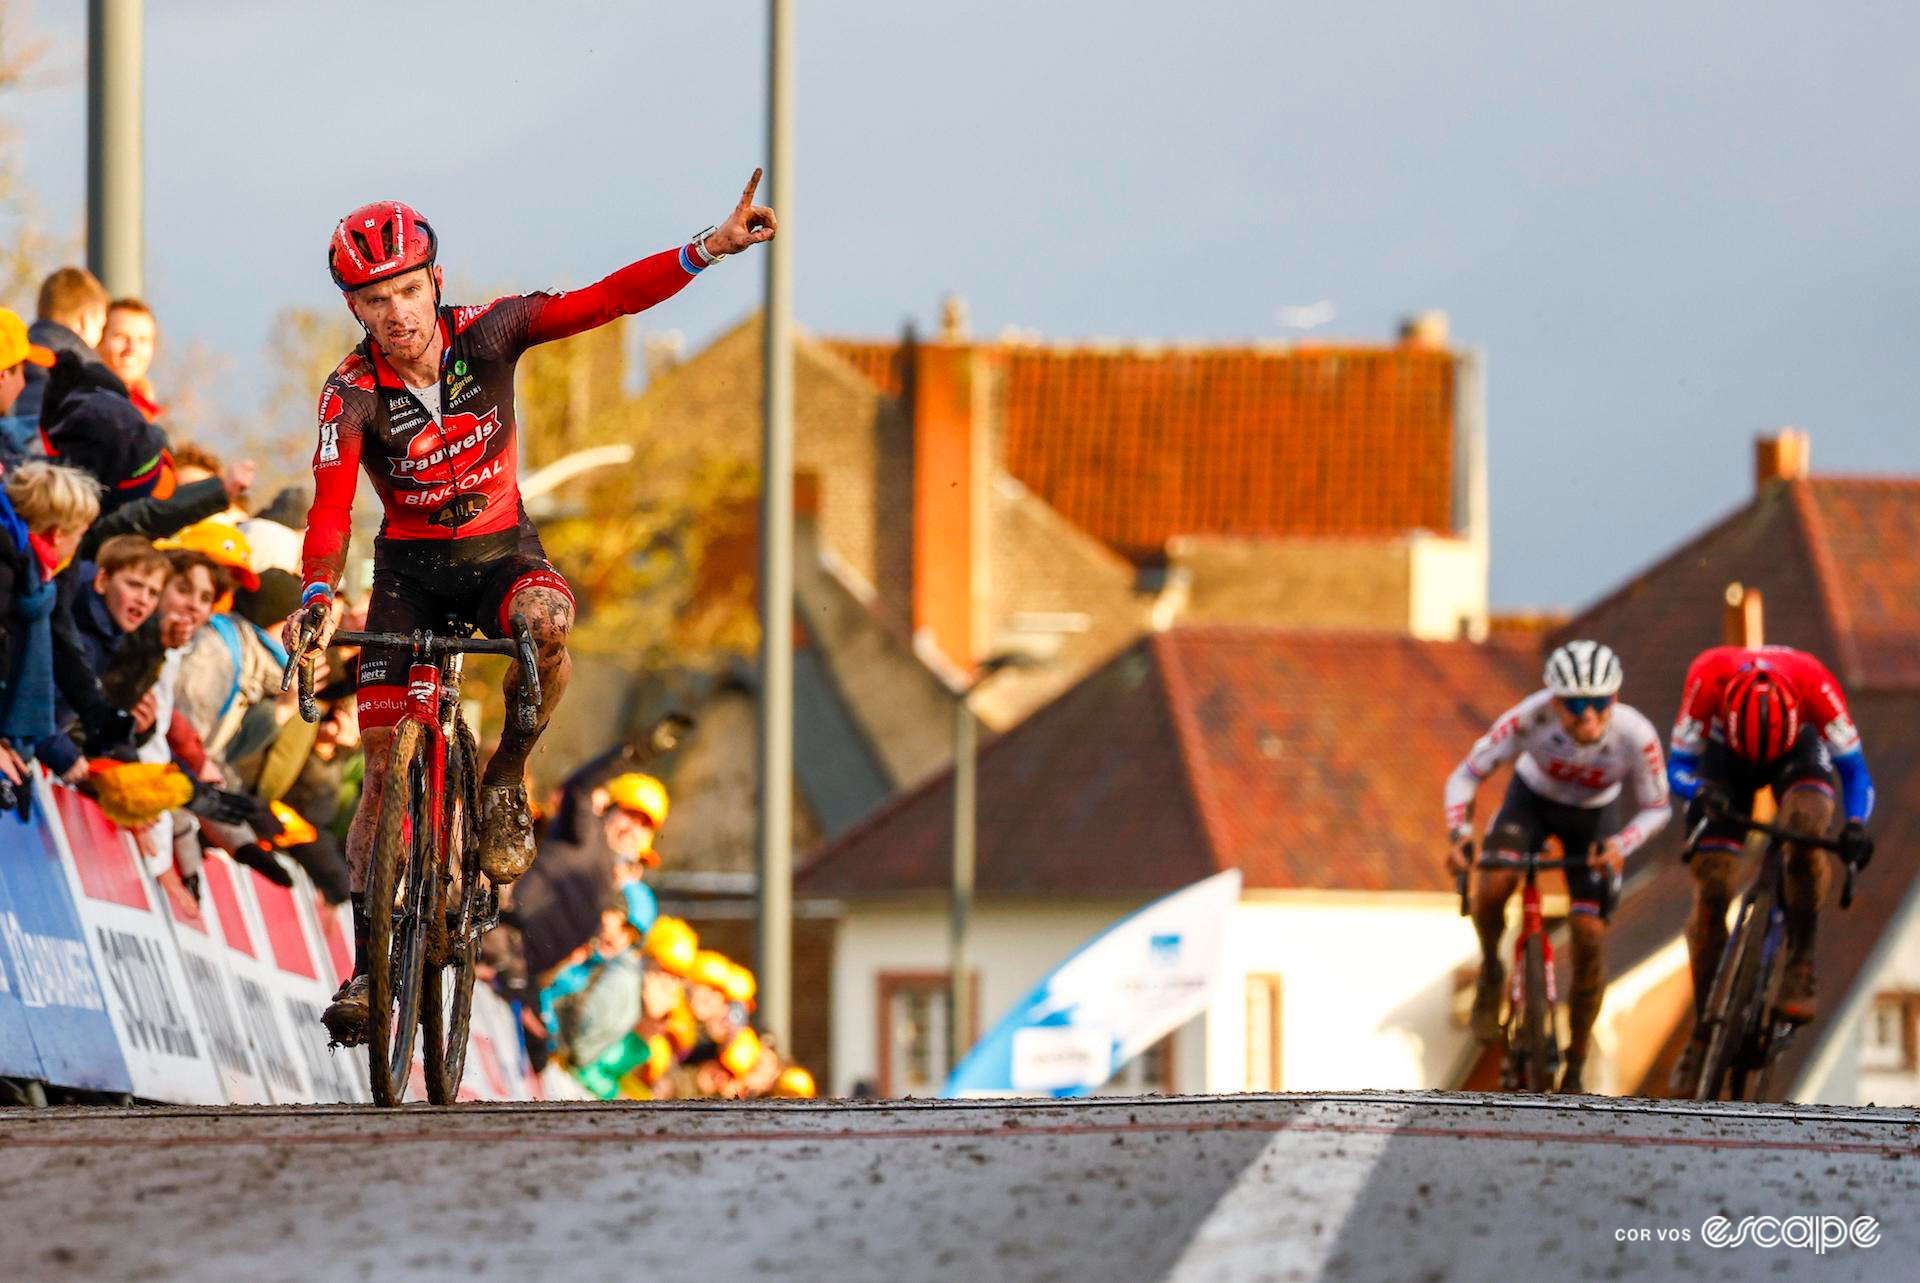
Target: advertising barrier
pixel 119 980
pixel 49 968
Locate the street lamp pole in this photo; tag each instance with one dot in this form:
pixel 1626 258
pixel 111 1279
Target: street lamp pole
pixel 966 761
pixel 966 742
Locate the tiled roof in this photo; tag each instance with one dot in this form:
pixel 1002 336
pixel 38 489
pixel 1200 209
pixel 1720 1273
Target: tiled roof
pixel 1306 761
pixel 1838 563
pixel 1138 446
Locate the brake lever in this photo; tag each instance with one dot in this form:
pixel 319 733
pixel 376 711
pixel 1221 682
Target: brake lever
pixel 301 663
pixel 527 713
pixel 1846 888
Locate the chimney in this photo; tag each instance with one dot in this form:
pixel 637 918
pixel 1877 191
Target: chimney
pixel 1784 456
pixel 1744 624
pixel 953 319
pixel 1425 330
pixel 950 480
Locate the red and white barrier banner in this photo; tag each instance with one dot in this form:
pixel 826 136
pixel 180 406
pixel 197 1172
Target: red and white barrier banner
pixel 167 1052
pixel 203 955
pixel 203 996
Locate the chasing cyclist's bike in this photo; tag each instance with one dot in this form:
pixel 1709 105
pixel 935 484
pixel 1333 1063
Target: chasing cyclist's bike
pixel 428 904
pixel 1741 1024
pixel 1533 1045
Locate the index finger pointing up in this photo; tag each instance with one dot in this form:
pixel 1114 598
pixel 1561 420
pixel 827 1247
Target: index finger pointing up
pixel 746 197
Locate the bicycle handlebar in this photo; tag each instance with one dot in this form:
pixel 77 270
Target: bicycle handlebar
pixel 1722 815
pixel 519 648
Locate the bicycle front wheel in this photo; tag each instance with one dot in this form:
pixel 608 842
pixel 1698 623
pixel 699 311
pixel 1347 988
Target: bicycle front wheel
pixel 447 1005
pixel 1536 1027
pixel 397 896
pixel 1734 1019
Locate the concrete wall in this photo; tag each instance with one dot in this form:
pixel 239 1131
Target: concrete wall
pixel 1013 945
pixel 1361 585
pixel 1367 983
pixel 1447 597
pixel 1366 990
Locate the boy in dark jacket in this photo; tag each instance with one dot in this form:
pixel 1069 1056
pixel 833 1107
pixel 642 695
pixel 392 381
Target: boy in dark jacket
pixel 114 596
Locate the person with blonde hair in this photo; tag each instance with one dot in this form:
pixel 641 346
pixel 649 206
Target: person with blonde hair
pixel 46 509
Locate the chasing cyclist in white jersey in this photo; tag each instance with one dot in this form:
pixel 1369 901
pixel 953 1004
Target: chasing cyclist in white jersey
pixel 1576 752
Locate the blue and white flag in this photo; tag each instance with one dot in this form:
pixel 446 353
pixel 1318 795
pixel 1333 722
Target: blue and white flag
pixel 1124 990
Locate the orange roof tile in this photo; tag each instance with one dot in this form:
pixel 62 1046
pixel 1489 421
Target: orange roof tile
pixel 1136 447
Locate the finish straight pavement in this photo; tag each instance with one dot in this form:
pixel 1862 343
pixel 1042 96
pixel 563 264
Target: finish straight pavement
pixel 1384 1186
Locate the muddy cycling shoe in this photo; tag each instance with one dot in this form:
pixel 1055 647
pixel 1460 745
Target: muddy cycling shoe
pixel 1685 1078
pixel 1797 999
pixel 1486 1001
pixel 506 832
pixel 1570 1084
pixel 346 1016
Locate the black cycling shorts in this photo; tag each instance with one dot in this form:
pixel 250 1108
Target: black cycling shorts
pixel 1808 764
pixel 437 585
pixel 1525 822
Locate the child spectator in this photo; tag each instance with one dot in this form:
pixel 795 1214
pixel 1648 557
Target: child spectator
pixel 72 312
pixel 126 344
pixel 115 594
pixel 48 508
pixel 193 462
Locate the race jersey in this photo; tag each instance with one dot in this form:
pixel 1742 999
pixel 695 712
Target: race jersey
pixel 1821 705
pixel 1561 769
pixel 455 473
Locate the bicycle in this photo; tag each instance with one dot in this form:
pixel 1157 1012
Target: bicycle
pixel 426 859
pixel 1745 1031
pixel 1533 1046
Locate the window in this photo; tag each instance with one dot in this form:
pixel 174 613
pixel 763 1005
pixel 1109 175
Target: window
pixel 1890 1042
pixel 1148 1074
pixel 1263 1033
pixel 914 1060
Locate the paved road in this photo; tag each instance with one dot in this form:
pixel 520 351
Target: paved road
pixel 1371 1186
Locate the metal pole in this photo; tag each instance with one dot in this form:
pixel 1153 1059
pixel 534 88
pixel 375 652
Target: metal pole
pixel 775 936
pixel 115 146
pixel 959 998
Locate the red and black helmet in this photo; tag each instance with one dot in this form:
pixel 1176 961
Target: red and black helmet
pixel 377 241
pixel 1761 714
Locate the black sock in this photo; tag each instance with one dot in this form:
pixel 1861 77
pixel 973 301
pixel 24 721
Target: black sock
pixel 360 932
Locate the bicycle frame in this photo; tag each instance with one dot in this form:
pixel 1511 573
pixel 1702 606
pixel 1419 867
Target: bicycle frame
pixel 1530 1045
pixel 1743 1031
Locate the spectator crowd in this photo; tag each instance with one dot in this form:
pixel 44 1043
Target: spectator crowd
pixel 141 596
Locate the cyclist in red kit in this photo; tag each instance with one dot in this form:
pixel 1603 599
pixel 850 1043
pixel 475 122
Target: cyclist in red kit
pixel 425 406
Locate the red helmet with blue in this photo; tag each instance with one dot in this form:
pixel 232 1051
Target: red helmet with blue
pixel 379 241
pixel 1760 713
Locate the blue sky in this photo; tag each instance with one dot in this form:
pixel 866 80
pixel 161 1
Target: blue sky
pixel 1670 227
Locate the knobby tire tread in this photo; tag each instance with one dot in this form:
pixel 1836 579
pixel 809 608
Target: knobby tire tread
pixel 1736 1018
pixel 446 1016
pixel 392 858
pixel 1535 1030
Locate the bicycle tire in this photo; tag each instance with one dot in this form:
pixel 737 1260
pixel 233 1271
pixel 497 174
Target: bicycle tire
pixel 1734 1021
pixel 1757 1072
pixel 396 939
pixel 1535 1028
pixel 447 1007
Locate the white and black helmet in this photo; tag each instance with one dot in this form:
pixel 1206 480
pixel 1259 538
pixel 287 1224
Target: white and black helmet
pixel 1583 668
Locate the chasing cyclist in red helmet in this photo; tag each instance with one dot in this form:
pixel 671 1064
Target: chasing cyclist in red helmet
pixel 425 406
pixel 1764 718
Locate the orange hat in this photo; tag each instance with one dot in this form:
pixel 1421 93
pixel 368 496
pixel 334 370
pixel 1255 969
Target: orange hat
pixel 795 1083
pixel 673 944
pixel 740 985
pixel 15 346
pixel 741 1052
pixel 710 969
